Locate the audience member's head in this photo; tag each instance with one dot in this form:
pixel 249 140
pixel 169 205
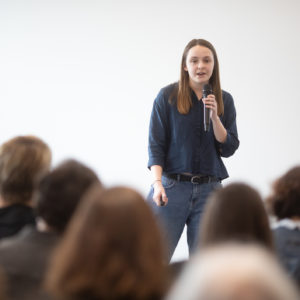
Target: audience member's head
pixel 59 193
pixel 235 272
pixel 112 249
pixel 23 160
pixel 235 213
pixel 284 201
pixel 3 286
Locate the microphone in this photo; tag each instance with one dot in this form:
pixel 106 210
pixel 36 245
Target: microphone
pixel 207 90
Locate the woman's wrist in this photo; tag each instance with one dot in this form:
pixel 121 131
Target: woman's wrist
pixel 215 119
pixel 156 181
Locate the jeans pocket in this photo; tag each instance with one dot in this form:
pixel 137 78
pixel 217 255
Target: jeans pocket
pixel 167 182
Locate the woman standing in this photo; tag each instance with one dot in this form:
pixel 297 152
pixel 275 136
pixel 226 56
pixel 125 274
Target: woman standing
pixel 185 160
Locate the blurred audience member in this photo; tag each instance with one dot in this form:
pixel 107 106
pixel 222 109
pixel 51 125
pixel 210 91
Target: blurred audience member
pixel 112 250
pixel 3 295
pixel 235 272
pixel 24 257
pixel 284 203
pixel 235 213
pixel 23 160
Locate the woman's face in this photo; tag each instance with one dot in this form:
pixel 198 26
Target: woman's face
pixel 199 65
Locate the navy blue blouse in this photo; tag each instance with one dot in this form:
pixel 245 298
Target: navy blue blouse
pixel 178 142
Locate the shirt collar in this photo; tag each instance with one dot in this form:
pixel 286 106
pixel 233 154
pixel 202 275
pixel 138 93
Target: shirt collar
pixel 287 223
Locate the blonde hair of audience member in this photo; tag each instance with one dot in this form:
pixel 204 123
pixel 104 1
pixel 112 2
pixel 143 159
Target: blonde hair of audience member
pixel 23 160
pixel 112 250
pixel 235 213
pixel 235 272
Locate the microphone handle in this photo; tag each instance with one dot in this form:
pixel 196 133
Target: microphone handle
pixel 206 119
pixel 206 112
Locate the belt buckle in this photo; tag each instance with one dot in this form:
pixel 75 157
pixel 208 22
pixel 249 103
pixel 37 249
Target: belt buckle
pixel 195 178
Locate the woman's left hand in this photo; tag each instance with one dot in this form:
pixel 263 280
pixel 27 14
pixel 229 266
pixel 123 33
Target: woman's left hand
pixel 210 102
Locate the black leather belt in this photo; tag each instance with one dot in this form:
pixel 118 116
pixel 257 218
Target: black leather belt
pixel 193 179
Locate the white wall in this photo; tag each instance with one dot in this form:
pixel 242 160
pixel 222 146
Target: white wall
pixel 83 76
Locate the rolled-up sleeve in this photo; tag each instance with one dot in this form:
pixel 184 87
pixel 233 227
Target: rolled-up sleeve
pixel 157 144
pixel 232 142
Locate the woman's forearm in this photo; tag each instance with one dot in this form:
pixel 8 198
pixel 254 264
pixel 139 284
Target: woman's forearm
pixel 156 171
pixel 219 130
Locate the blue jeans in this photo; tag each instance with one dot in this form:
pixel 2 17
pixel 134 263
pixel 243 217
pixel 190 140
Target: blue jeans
pixel 185 206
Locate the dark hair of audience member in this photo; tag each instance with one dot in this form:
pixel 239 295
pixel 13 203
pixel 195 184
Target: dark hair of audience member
pixel 235 213
pixel 23 160
pixel 112 250
pixel 60 191
pixel 285 199
pixel 3 286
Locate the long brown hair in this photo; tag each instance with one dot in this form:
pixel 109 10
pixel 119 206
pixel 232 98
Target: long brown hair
pixel 111 250
pixel 184 101
pixel 235 213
